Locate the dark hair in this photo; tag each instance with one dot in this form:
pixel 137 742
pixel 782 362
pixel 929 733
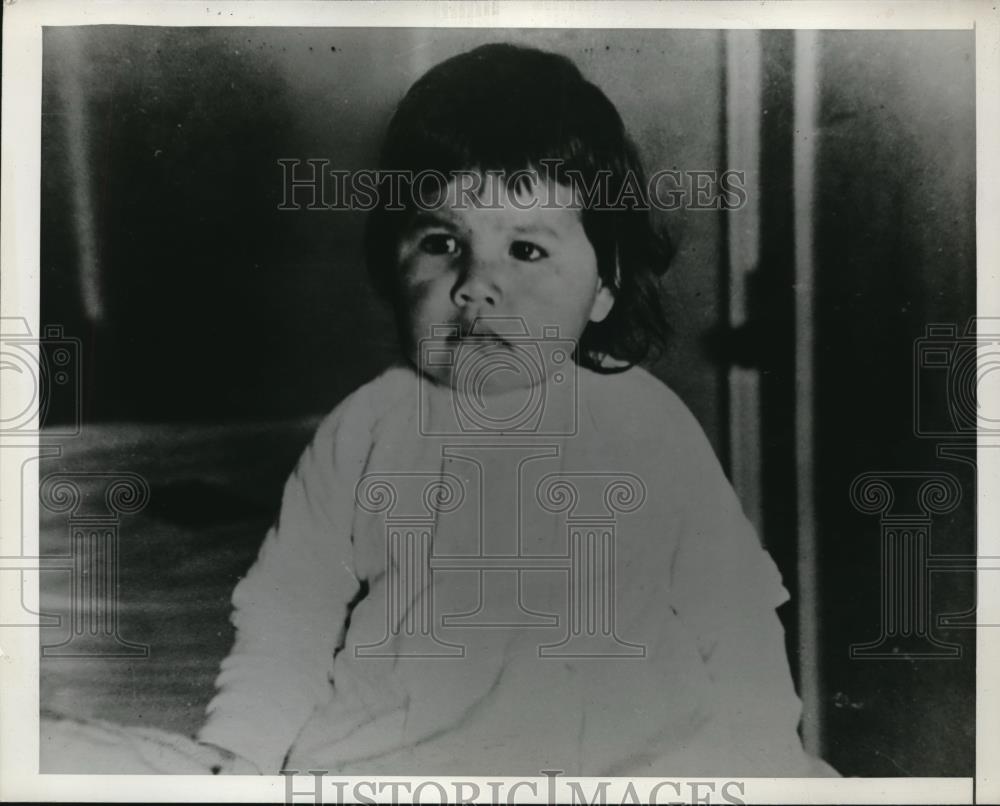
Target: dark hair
pixel 506 108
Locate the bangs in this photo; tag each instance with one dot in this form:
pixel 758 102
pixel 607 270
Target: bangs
pixel 504 109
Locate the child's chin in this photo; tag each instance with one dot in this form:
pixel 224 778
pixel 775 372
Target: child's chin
pixel 486 383
pixel 491 384
pixel 497 389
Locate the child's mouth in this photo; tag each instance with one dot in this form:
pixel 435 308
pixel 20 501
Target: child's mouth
pixel 480 338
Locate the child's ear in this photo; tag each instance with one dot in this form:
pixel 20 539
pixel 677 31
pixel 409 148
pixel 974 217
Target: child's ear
pixel 603 303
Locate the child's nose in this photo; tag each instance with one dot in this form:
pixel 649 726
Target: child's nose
pixel 476 287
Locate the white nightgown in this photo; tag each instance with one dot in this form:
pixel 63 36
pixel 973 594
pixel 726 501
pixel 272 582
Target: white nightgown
pixel 572 587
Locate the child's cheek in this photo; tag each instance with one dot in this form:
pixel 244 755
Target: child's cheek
pixel 425 291
pixel 423 270
pixel 556 284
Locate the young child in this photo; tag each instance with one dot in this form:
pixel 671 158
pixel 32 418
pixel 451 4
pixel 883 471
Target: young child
pixel 515 551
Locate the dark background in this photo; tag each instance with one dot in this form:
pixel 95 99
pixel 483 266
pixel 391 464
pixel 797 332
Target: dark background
pixel 201 307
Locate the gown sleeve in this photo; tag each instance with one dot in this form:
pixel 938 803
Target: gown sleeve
pixel 290 608
pixel 725 588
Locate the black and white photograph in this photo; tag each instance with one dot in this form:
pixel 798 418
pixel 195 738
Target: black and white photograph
pixel 499 402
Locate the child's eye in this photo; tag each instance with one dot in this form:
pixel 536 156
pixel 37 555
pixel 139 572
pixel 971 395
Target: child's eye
pixel 527 251
pixel 439 243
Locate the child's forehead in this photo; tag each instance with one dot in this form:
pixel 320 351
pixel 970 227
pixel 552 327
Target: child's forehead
pixel 519 201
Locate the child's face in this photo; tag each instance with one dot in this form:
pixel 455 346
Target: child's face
pixel 535 267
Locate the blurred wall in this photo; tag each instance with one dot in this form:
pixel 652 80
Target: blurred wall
pixel 896 222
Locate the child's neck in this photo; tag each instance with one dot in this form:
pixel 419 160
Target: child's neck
pixel 549 407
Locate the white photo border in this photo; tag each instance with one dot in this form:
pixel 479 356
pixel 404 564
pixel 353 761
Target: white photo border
pixel 19 297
